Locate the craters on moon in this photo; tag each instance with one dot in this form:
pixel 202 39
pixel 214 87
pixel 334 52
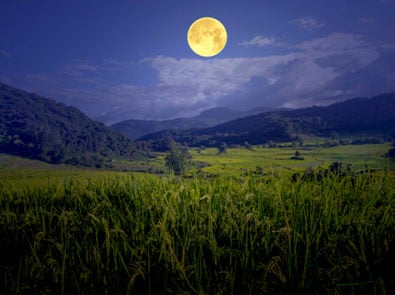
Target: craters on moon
pixel 207 36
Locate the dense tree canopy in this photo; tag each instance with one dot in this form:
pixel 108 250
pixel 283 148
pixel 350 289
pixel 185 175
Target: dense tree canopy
pixel 177 157
pixel 352 117
pixel 40 128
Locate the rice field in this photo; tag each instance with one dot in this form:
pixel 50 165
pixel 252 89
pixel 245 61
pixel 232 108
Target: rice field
pixel 238 160
pixel 129 233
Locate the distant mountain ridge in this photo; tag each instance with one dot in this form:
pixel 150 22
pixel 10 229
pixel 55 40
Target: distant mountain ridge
pixel 374 115
pixel 40 128
pixel 208 118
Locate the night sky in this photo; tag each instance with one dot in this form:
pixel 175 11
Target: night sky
pixel 123 59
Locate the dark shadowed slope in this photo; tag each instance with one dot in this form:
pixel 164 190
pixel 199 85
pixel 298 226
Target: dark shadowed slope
pixel 137 128
pixel 39 128
pixel 374 115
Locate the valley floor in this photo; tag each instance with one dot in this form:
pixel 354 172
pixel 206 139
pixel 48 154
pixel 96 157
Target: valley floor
pixel 236 162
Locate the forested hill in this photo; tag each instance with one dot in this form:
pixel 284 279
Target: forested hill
pixel 208 118
pixel 36 127
pixel 374 115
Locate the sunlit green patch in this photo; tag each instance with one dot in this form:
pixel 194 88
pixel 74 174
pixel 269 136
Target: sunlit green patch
pixel 240 159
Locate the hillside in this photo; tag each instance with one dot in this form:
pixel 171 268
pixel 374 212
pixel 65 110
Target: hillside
pixel 375 115
pixel 39 128
pixel 138 128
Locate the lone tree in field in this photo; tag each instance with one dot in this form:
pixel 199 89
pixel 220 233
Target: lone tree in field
pixel 175 162
pixel 247 145
pixel 297 156
pixel 177 158
pixel 222 148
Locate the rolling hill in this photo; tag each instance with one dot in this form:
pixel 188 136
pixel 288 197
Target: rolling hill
pixel 138 128
pixel 39 128
pixel 369 116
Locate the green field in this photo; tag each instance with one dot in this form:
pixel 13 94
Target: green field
pixel 20 171
pixel 67 230
pixel 235 161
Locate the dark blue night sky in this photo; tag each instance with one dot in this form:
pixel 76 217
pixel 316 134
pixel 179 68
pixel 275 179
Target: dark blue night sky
pixel 121 59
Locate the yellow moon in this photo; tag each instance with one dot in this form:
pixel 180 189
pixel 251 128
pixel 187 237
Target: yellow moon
pixel 207 36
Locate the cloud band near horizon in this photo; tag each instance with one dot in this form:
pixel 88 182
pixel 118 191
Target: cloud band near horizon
pixel 319 71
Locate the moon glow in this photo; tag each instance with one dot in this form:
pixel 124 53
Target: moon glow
pixel 207 36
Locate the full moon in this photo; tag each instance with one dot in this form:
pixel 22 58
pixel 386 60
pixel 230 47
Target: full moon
pixel 207 36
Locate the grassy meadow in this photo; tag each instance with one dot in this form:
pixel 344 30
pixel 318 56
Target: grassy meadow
pixel 68 230
pixel 235 161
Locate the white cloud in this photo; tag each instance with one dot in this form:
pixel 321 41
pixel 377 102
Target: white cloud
pixel 356 52
pixel 308 23
pixel 312 72
pixel 311 66
pixel 332 43
pixel 205 81
pixel 259 41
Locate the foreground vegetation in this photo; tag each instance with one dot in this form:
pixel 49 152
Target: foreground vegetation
pixel 134 233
